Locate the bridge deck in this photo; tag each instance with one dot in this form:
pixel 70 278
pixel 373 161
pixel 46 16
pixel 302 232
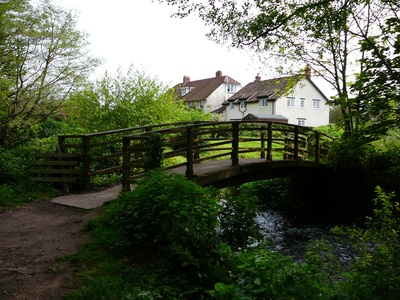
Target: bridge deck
pixel 221 173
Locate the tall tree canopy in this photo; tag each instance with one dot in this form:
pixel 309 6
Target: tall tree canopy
pixel 126 99
pixel 338 39
pixel 43 57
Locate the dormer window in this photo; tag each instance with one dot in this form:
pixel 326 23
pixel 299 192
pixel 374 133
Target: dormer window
pixel 231 88
pixel 184 91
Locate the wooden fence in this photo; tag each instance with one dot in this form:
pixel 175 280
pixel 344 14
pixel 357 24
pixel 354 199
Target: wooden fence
pixel 126 151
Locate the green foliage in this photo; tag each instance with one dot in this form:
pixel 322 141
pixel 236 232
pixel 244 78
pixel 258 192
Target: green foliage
pixel 101 181
pixel 263 274
pixel 239 227
pixel 126 99
pixel 170 215
pixel 375 274
pixel 13 194
pixel 155 156
pixel 43 57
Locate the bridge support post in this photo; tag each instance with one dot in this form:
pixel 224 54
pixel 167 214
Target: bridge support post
pixel 296 143
pixel 262 137
pixel 189 152
pixel 316 146
pixel 126 170
pixel 86 162
pixel 269 142
pixel 235 144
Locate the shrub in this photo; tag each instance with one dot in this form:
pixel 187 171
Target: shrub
pixel 375 274
pixel 170 216
pixel 238 216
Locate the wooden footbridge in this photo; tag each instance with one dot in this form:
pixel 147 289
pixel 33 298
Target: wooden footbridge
pixel 209 153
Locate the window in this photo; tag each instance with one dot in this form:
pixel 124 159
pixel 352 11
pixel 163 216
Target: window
pixel 231 105
pixel 290 101
pixel 184 91
pixel 302 102
pixel 242 105
pixel 231 88
pixel 301 121
pixel 263 103
pixel 316 103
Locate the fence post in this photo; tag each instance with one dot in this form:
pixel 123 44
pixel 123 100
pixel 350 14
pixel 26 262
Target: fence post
pixel 269 142
pixel 235 144
pixel 189 152
pixel 262 137
pixel 126 170
pixel 317 146
pixel 296 143
pixel 61 143
pixel 86 162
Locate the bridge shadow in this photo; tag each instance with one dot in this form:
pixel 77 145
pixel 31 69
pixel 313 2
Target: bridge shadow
pixel 221 173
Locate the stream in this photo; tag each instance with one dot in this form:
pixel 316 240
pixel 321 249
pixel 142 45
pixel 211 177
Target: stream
pixel 292 238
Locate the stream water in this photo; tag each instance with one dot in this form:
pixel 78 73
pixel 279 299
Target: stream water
pixel 292 238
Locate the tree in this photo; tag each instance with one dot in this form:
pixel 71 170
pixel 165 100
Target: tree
pixel 326 35
pixel 377 87
pixel 43 57
pixel 125 100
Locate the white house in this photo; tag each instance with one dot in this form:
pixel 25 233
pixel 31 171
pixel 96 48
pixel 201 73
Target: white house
pixel 292 99
pixel 207 94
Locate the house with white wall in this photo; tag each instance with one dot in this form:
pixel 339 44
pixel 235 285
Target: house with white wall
pixel 207 94
pixel 291 99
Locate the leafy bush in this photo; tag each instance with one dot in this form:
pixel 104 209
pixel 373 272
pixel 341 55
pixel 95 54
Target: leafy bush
pixel 169 216
pixel 263 274
pixel 375 274
pixel 239 227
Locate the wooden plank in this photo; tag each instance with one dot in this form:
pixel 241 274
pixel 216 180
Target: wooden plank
pixel 107 156
pixel 55 155
pixel 54 171
pixel 54 163
pixel 54 179
pixel 105 171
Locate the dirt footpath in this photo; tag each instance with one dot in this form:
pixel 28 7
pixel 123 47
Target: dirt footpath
pixel 31 238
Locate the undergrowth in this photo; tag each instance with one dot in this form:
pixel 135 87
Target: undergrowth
pixel 163 241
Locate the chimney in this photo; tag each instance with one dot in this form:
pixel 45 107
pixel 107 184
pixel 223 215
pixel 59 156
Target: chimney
pixel 258 77
pixel 308 72
pixel 218 73
pixel 186 79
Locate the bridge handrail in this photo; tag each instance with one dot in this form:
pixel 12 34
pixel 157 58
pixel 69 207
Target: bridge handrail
pixel 292 141
pixel 91 148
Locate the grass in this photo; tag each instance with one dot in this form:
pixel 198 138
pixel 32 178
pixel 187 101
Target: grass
pixel 14 194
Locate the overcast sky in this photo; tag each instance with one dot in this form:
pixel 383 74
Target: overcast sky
pixel 142 33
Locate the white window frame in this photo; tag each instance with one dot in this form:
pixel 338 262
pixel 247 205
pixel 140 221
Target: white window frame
pixel 302 102
pixel 263 103
pixel 231 88
pixel 301 121
pixel 316 104
pixel 290 101
pixel 243 105
pixel 231 105
pixel 184 91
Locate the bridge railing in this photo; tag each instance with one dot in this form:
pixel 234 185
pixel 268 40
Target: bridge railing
pixel 101 152
pixel 191 144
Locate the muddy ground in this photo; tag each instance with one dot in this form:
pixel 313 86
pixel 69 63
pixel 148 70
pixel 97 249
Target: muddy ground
pixel 31 238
